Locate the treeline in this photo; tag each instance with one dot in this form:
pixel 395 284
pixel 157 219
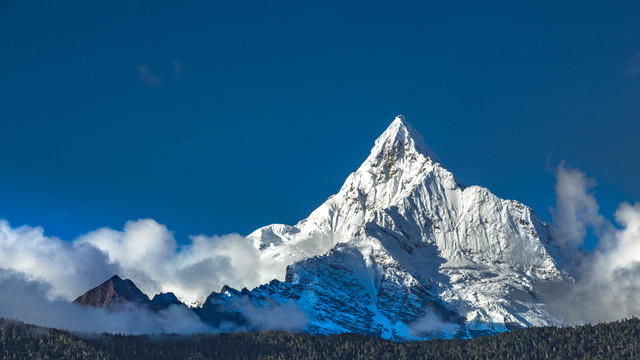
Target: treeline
pixel 615 340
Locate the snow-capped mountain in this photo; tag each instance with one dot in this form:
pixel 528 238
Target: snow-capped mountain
pixel 404 250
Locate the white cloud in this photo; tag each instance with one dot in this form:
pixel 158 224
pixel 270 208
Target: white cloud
pixel 576 207
pixel 143 251
pixel 70 268
pixel 607 285
pixel 40 275
pixel 430 323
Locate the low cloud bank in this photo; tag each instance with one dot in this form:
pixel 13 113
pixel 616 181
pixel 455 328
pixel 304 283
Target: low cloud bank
pixel 431 323
pixel 273 315
pixel 41 275
pixel 27 301
pixel 607 280
pixel 143 251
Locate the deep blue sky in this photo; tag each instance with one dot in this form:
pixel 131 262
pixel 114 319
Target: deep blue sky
pixel 226 116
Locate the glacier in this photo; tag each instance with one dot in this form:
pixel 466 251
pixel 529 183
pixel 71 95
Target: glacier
pixel 405 251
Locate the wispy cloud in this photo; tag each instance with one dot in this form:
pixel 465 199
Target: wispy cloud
pixel 607 285
pixel 431 324
pixel 576 207
pixel 148 77
pixel 273 315
pixel 177 67
pixel 634 66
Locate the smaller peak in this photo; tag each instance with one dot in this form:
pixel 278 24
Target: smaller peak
pixel 117 281
pixel 227 288
pixel 113 293
pixel 164 300
pixel 167 295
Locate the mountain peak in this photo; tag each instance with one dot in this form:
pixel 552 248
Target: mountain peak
pixel 401 119
pixel 112 294
pixel 402 132
pixel 400 145
pixel 164 300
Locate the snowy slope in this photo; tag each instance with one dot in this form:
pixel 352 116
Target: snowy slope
pixel 403 250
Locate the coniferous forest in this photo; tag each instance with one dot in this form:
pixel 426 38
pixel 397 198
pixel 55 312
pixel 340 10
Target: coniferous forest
pixel 615 340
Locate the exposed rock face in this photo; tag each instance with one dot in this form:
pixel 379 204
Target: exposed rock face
pixel 114 294
pixel 163 301
pixel 117 294
pixel 222 311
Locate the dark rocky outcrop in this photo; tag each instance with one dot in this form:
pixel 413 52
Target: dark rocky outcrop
pixel 114 294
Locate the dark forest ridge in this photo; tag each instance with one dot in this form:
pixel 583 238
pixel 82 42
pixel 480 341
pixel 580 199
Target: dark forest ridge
pixel 615 340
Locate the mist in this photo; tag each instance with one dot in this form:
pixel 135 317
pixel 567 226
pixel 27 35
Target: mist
pixel 27 300
pixel 431 323
pixel 273 315
pixel 605 282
